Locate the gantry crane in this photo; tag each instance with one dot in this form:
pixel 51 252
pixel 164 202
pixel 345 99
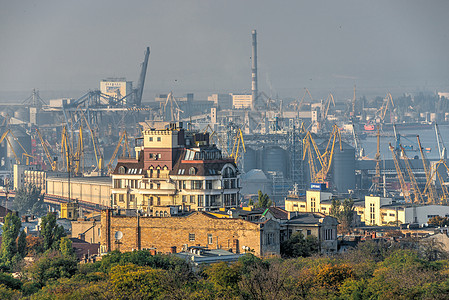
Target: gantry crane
pixel 299 104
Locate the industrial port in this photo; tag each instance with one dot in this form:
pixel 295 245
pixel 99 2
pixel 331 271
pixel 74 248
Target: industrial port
pixel 280 146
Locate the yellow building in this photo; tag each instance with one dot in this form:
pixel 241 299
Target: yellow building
pixel 314 201
pixel 174 167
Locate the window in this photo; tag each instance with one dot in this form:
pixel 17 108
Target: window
pixel 121 198
pixel 200 200
pixel 312 204
pixel 191 237
pixel 158 173
pixel 158 138
pixel 210 239
pixel 151 138
pixel 196 184
pixel 121 170
pixel 192 171
pixel 158 200
pixel 208 184
pixel 151 201
pixel 392 215
pixel 184 198
pixel 70 214
pixel 192 199
pixel 99 231
pixel 309 232
pixel 372 212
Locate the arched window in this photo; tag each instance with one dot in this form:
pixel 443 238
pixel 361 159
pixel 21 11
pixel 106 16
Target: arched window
pixel 121 170
pixel 156 214
pixel 165 214
pixel 192 171
pixel 228 172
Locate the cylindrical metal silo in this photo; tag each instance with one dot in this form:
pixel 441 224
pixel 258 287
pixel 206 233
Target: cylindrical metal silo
pixel 249 159
pixel 274 159
pixel 23 138
pixel 343 168
pixel 22 114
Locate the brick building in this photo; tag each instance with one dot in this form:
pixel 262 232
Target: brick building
pixel 175 167
pixel 125 233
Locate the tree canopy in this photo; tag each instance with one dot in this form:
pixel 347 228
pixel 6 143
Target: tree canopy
pixel 29 200
pixel 51 232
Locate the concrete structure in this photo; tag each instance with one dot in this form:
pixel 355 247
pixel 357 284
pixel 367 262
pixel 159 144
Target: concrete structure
pixel 254 89
pixel 19 174
pixel 174 167
pixel 240 101
pixel 92 190
pixel 126 233
pixel 223 101
pixel 116 87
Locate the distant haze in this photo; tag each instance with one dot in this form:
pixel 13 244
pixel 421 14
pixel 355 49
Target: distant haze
pixel 64 48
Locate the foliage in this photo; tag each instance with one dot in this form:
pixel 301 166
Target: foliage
pixel 8 252
pixel 8 293
pixel 66 248
pixel 439 221
pixel 144 258
pixel 51 266
pixel 22 244
pixel 224 278
pixel 51 232
pixel 298 245
pixel 10 282
pixel 263 200
pixel 34 244
pixel 344 213
pixel 29 200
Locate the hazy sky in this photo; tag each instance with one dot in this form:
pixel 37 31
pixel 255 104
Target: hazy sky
pixel 205 46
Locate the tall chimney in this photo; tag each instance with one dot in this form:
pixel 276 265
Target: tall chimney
pixel 254 91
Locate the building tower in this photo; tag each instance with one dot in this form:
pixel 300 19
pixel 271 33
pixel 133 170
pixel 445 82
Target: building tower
pixel 254 70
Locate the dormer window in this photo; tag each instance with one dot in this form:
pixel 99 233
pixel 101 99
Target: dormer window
pixel 192 171
pixel 121 170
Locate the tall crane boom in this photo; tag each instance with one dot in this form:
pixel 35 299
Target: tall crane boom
pixel 416 192
pixel 47 152
pixel 404 188
pixel 427 170
pixel 140 84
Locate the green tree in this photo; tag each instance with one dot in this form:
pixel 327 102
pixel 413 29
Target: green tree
pixel 22 244
pixel 263 200
pixel 51 266
pixel 438 221
pixel 66 248
pixel 298 245
pixel 8 251
pixel 51 232
pixel 344 213
pixel 29 200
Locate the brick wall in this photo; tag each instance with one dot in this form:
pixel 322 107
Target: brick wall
pixel 208 231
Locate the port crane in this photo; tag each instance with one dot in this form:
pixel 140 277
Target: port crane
pixel 387 104
pixel 125 149
pixel 298 104
pixel 51 161
pixel 418 198
pixel 329 100
pixel 239 143
pixel 325 158
pixel 405 190
pixel 431 192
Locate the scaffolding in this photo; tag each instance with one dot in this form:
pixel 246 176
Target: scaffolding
pixel 295 148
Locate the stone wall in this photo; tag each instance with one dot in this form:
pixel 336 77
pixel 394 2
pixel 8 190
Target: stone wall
pixel 196 229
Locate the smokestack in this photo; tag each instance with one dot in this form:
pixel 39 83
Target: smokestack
pixel 254 70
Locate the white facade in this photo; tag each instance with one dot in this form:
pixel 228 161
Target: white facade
pixel 117 88
pixel 422 214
